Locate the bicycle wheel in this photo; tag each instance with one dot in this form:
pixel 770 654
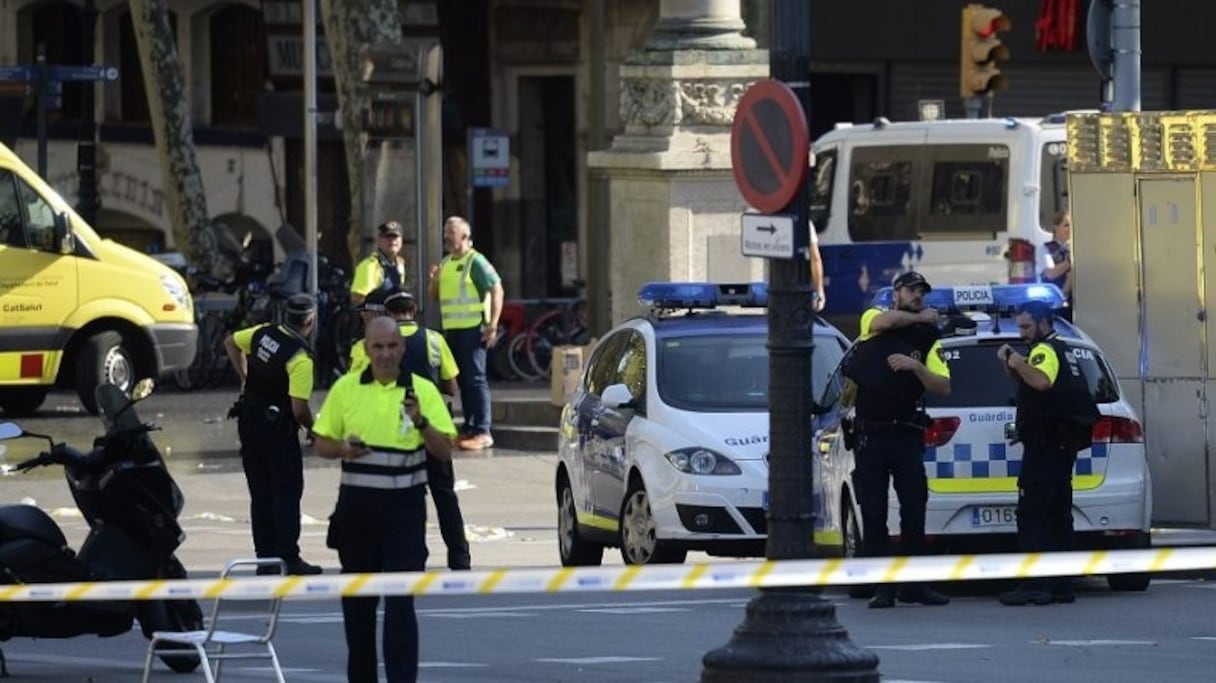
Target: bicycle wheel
pixel 546 334
pixel 517 358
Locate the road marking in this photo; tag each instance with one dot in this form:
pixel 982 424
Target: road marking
pixel 597 660
pixel 1097 643
pixel 634 610
pixel 451 665
pixel 1203 637
pixel 930 646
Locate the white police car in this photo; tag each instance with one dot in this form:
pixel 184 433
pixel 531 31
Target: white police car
pixel 972 468
pixel 664 444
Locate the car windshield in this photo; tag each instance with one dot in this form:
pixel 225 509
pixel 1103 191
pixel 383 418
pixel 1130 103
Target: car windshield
pixel 720 373
pixel 978 380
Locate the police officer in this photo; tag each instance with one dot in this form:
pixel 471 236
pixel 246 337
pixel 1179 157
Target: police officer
pixel 427 354
pixel 383 423
pixel 383 268
pixel 896 360
pixel 461 283
pixel 1055 415
pixel 275 365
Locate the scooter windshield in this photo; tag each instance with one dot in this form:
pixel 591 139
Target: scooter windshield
pixel 116 408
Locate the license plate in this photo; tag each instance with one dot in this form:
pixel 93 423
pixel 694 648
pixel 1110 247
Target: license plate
pixel 994 515
pixel 764 499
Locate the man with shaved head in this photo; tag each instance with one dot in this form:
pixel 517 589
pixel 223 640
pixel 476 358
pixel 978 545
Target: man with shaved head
pixel 381 423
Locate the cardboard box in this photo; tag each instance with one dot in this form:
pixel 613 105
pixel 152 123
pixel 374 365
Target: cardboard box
pixel 565 371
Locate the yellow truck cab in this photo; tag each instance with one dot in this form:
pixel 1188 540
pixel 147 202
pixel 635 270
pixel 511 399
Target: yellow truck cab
pixel 77 310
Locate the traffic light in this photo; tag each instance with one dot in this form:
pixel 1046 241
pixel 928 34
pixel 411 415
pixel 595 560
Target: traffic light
pixel 981 50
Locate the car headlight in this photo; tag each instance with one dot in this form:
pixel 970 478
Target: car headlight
pixel 695 460
pixel 176 290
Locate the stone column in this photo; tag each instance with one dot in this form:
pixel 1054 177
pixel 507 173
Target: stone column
pixel 674 207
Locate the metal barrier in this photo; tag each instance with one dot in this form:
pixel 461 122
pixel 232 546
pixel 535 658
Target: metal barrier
pixel 757 574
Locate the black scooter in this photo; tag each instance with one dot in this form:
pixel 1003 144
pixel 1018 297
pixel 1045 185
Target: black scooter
pixel 131 503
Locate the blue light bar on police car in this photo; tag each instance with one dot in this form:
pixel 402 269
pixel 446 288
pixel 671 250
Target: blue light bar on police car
pixel 672 295
pixel 989 298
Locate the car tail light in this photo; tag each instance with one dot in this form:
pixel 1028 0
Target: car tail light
pixel 1021 261
pixel 1117 430
pixel 940 431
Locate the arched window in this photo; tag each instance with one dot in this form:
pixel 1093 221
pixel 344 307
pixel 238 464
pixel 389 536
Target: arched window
pixel 238 64
pixel 56 25
pixel 131 80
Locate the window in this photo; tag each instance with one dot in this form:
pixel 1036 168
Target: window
pixel 823 176
pixel 238 65
pixel 631 368
pixel 911 192
pixel 11 232
pixel 986 383
pixel 39 217
pixel 1053 182
pixel 725 374
pixel 880 194
pixel 601 369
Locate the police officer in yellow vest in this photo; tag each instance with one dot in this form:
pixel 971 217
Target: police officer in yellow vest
pixel 896 360
pixel 275 365
pixel 1056 413
pixel 382 423
pixel 461 283
pixel 384 268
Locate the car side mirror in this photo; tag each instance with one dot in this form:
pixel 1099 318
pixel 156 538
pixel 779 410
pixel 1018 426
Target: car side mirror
pixel 617 396
pixel 10 430
pixel 65 240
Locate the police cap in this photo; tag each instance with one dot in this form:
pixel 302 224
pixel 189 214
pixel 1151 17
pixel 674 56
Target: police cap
pixel 399 301
pixel 300 305
pixel 374 301
pixel 911 279
pixel 389 228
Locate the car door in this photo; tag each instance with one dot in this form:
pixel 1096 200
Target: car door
pixel 37 283
pixel 834 461
pixel 608 479
pixel 584 460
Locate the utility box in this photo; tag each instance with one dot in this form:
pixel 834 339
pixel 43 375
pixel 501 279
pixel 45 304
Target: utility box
pixel 1139 184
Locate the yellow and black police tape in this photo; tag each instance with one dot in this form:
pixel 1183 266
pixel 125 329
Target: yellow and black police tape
pixel 753 574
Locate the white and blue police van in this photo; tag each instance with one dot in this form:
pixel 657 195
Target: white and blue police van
pixel 664 444
pixel 971 465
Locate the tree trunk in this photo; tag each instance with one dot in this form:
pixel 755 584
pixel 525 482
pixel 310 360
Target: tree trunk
pixel 170 114
pixel 350 24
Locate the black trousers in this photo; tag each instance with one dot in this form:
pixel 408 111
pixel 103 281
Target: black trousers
pixel 441 479
pixel 377 530
pixel 274 471
pixel 1045 495
pixel 885 455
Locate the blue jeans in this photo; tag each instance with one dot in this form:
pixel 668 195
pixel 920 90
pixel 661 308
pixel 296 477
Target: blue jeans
pixel 470 353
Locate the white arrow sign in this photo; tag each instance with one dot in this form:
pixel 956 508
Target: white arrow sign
pixel 768 236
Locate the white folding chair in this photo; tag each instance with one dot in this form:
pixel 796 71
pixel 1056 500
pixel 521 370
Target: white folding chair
pixel 212 643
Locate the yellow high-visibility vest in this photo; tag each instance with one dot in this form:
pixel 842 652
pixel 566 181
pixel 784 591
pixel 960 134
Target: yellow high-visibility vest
pixel 460 306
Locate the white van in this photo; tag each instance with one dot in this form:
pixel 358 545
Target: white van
pixel 963 201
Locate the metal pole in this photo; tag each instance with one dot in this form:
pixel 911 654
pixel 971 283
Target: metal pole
pixel 86 147
pixel 599 241
pixel 43 91
pixel 310 139
pixel 790 634
pixel 1125 29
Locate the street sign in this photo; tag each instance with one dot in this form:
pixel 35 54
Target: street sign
pixel 82 73
pixel 16 73
pixel 768 236
pixel 769 146
pixel 490 155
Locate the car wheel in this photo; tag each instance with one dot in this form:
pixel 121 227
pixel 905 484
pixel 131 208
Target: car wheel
pixel 103 359
pixel 22 401
pixel 639 544
pixel 852 545
pixel 575 552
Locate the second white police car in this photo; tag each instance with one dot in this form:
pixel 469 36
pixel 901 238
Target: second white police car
pixel 664 444
pixel 971 465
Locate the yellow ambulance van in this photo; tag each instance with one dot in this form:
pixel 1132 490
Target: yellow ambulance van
pixel 77 310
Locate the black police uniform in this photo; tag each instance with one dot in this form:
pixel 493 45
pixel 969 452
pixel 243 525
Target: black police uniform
pixel 1052 426
pixel 889 429
pixel 440 474
pixel 270 444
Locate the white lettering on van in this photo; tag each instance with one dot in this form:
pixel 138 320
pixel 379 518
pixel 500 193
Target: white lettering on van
pixel 998 152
